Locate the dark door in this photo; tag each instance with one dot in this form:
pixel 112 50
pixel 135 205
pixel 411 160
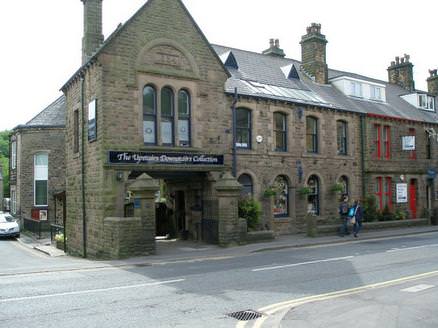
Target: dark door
pixel 180 211
pixel 413 198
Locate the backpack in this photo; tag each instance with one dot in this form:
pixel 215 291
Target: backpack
pixel 343 208
pixel 351 211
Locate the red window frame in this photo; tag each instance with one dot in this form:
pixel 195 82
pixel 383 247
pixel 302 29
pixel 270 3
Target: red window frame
pixel 388 194
pixel 380 194
pixel 379 191
pixel 387 141
pixel 413 153
pixel 378 140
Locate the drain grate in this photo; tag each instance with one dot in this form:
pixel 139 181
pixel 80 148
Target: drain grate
pixel 245 315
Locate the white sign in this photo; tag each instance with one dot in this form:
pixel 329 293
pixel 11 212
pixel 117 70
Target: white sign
pixel 408 143
pixel 402 192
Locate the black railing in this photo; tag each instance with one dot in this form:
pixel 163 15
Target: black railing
pixel 38 228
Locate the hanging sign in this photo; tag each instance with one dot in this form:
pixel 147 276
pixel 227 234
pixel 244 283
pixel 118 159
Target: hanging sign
pixel 119 157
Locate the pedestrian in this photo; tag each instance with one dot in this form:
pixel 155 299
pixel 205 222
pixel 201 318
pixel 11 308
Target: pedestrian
pixel 343 213
pixel 357 218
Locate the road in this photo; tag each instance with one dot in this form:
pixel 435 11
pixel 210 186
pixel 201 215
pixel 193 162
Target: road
pixel 378 283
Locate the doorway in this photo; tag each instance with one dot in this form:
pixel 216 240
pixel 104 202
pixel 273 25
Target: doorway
pixel 413 198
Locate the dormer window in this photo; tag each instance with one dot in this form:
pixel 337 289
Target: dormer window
pixel 375 93
pixel 426 102
pixel 356 89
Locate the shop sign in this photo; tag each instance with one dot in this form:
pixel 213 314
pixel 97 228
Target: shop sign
pixel 118 157
pixel 431 173
pixel 408 143
pixel 402 192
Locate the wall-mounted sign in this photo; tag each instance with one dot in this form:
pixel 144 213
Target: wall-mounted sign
pixel 92 126
pixel 402 192
pixel 408 143
pixel 431 173
pixel 120 157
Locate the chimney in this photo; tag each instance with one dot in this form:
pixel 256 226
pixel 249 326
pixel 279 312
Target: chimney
pixel 313 53
pixel 93 36
pixel 401 73
pixel 432 82
pixel 274 49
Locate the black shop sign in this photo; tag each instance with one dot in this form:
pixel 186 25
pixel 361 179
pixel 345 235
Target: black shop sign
pixel 125 157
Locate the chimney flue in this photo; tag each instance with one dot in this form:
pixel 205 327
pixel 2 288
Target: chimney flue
pixel 432 82
pixel 274 49
pixel 400 72
pixel 93 36
pixel 313 53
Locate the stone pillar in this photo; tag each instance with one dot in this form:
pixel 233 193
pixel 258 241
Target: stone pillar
pixel 228 192
pixel 144 189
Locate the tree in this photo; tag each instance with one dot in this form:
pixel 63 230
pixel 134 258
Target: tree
pixel 4 160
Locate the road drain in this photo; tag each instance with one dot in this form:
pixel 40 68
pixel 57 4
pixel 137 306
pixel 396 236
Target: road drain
pixel 245 315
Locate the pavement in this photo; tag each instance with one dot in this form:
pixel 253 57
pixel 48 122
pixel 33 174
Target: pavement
pixel 179 250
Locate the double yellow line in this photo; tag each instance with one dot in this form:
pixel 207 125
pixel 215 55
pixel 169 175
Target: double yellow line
pixel 272 309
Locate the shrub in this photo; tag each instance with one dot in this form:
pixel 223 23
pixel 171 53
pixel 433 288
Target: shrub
pixel 59 237
pixel 387 215
pixel 250 209
pixel 400 215
pixel 369 207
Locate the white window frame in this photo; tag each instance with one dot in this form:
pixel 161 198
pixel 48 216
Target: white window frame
pixel 45 174
pixel 375 92
pixel 14 155
pixel 356 89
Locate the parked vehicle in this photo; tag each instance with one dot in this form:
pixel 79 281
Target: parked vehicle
pixel 8 226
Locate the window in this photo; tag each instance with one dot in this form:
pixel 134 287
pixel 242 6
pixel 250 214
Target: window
pixel 342 128
pixel 375 92
pixel 13 155
pixel 428 146
pixel 167 116
pixel 246 181
pixel 149 115
pixel 426 102
pixel 312 134
pixel 41 172
pixel 412 153
pixel 184 110
pixel 243 128
pixel 76 131
pixel 343 181
pixel 280 132
pixel 378 140
pixel 384 192
pixel 313 196
pixel 387 142
pixel 13 201
pixel 281 201
pixel 92 123
pixel 356 89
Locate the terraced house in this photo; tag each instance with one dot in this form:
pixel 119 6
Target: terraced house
pixel 151 148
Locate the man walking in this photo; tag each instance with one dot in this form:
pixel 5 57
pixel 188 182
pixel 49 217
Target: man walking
pixel 343 213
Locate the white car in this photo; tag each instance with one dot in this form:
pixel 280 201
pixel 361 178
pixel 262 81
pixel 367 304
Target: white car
pixel 8 226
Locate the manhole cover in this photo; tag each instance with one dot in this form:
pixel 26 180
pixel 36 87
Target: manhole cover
pixel 245 315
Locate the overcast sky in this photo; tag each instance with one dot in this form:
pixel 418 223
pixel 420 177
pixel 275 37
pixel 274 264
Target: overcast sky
pixel 41 39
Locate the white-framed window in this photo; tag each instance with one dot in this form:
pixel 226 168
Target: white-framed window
pixel 41 175
pixel 13 155
pixel 375 92
pixel 356 89
pixel 426 102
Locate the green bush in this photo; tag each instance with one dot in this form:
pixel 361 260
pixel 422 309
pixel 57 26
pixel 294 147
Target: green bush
pixel 369 207
pixel 387 215
pixel 250 209
pixel 400 215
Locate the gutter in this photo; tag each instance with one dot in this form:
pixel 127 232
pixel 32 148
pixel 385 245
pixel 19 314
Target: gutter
pixel 362 151
pixel 84 213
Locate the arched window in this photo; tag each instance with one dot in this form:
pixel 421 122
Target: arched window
pixel 313 196
pixel 281 201
pixel 312 134
pixel 167 116
pixel 343 181
pixel 243 128
pixel 149 115
pixel 184 109
pixel 342 129
pixel 246 181
pixel 280 124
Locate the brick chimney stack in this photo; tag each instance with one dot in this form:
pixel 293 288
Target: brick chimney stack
pixel 274 49
pixel 401 73
pixel 313 53
pixel 432 82
pixel 93 36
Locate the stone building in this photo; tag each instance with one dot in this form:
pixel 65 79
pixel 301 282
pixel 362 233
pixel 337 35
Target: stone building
pixel 1 188
pixel 150 145
pixel 37 165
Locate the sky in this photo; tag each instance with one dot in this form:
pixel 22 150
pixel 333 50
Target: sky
pixel 41 40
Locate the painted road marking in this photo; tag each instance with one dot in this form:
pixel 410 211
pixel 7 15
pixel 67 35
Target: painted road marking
pixel 89 291
pixel 409 248
pixel 302 263
pixel 272 309
pixel 418 288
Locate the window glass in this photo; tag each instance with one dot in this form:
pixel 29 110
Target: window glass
pixel 40 178
pixel 184 118
pixel 313 196
pixel 246 181
pixel 166 102
pixel 280 131
pixel 149 130
pixel 281 201
pixel 14 155
pixel 312 134
pixel 149 100
pixel 167 111
pixel 343 181
pixel 243 128
pixel 342 137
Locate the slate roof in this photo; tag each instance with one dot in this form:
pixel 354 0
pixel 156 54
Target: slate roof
pixel 262 70
pixel 53 115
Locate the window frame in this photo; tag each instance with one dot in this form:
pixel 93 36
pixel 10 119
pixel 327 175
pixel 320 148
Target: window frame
pixel 313 148
pixel 285 196
pixel 342 140
pixel 316 199
pixel 35 169
pixel 76 131
pixel 413 153
pixel 247 129
pixel 13 154
pixel 428 146
pixel 152 117
pixel 378 140
pixel 386 141
pixel 282 131
pixel 186 117
pixel 249 185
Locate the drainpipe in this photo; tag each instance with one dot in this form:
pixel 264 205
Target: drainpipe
pixel 234 153
pixel 84 217
pixel 362 151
